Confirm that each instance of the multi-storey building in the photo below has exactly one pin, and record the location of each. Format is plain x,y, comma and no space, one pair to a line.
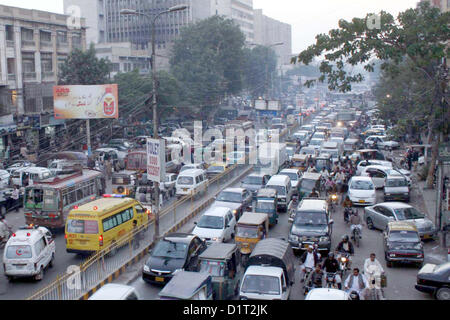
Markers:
33,44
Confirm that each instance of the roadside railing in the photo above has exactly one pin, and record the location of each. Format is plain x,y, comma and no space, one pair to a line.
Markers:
79,282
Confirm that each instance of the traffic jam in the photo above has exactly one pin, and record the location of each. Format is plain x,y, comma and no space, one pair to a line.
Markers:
328,212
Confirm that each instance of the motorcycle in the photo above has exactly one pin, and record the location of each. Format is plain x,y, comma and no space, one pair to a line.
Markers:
308,286
374,280
343,259
347,213
354,295
331,280
356,236
333,201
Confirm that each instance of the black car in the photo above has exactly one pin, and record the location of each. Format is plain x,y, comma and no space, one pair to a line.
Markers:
435,279
174,251
5,205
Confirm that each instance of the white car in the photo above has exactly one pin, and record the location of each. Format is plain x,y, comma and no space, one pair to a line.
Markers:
114,291
216,225
4,179
327,294
316,143
381,142
379,174
361,191
365,163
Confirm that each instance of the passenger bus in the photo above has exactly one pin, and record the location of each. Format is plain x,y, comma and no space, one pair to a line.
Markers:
48,202
95,225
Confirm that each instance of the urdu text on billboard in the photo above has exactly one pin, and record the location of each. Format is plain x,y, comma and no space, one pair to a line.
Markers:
86,102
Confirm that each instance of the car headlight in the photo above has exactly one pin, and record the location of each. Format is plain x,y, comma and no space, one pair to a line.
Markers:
146,268
234,211
392,255
387,194
293,237
323,239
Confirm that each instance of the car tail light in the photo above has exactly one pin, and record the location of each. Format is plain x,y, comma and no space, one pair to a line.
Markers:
13,234
65,236
100,240
75,207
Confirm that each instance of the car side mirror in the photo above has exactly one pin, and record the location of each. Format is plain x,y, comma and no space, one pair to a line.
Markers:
195,222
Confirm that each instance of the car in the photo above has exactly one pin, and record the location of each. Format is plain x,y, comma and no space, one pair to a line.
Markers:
309,151
170,183
396,188
315,143
215,169
402,244
301,136
235,157
361,190
254,182
192,166
173,252
19,164
120,144
290,152
217,224
377,173
435,280
294,175
115,291
327,294
379,215
237,199
381,142
365,163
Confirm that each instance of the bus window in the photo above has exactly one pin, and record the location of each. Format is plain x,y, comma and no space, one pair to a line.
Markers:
50,199
34,198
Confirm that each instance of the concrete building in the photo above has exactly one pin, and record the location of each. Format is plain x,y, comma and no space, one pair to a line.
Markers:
268,31
443,5
33,44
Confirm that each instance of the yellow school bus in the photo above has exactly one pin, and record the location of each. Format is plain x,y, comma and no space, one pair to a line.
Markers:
96,224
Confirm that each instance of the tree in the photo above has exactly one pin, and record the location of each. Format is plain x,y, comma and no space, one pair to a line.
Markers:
419,35
260,64
84,68
207,60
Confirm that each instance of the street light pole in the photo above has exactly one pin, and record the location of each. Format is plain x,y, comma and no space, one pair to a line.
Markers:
154,95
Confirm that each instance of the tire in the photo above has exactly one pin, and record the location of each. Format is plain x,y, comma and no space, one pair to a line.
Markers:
389,264
443,294
370,224
50,265
10,279
40,275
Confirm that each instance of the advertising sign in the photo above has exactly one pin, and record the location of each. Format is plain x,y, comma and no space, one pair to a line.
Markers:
273,105
260,105
156,160
86,102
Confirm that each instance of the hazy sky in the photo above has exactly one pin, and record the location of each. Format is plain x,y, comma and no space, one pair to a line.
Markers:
307,17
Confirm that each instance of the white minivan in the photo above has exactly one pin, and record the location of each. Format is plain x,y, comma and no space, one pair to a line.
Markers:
282,183
216,225
28,252
114,291
191,181
33,174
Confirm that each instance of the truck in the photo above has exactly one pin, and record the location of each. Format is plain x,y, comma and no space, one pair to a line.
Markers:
272,157
270,272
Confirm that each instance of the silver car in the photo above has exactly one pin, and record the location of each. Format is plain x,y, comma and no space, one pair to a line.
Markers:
378,216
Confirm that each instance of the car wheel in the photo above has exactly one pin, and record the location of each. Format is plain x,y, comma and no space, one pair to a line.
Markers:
386,148
9,278
370,224
40,275
50,264
443,294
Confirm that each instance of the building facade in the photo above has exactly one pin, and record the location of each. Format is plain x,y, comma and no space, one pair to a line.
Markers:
33,44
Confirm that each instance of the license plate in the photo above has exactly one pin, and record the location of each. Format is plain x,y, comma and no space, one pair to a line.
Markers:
362,201
426,236
159,279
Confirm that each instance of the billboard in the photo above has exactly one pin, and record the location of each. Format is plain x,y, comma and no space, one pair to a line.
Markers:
86,102
273,105
260,105
156,160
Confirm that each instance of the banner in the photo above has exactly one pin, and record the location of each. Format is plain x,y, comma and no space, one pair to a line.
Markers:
156,160
86,102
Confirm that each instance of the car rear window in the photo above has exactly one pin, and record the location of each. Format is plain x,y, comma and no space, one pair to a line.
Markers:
82,226
18,252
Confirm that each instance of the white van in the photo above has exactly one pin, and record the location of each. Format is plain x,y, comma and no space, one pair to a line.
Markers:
114,291
33,174
216,224
4,179
282,184
28,252
191,181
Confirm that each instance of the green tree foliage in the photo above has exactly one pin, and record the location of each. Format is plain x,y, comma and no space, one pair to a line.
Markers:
207,60
84,68
259,71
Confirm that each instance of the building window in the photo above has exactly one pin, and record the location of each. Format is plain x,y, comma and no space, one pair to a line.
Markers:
76,40
47,103
11,62
46,62
9,33
62,37
30,105
27,34
28,62
115,67
46,36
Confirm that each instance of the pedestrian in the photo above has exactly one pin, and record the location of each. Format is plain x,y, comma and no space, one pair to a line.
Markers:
409,159
15,197
136,236
415,159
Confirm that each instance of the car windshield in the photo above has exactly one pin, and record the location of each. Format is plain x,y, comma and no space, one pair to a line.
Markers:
393,172
18,252
253,180
396,183
408,213
265,206
280,189
170,249
210,222
361,185
185,181
298,163
308,184
404,236
228,196
315,142
303,218
261,284
308,151
245,231
292,175
214,268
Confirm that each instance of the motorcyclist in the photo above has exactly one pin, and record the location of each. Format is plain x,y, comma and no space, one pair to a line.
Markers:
315,278
347,203
314,193
355,222
345,246
372,261
329,185
309,259
373,271
356,282
312,168
331,265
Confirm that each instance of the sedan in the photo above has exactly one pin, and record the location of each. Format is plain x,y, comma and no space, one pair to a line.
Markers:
435,279
361,190
237,199
254,182
378,217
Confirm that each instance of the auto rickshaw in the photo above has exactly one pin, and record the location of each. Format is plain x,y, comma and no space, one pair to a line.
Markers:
266,202
187,285
300,161
221,261
324,160
250,229
124,182
309,181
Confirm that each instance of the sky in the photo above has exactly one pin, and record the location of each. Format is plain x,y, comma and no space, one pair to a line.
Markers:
307,17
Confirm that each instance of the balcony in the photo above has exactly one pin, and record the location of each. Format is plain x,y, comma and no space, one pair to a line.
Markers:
10,43
46,45
28,43
27,76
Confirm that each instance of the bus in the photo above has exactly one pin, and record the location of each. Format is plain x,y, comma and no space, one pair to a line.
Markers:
99,223
48,202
